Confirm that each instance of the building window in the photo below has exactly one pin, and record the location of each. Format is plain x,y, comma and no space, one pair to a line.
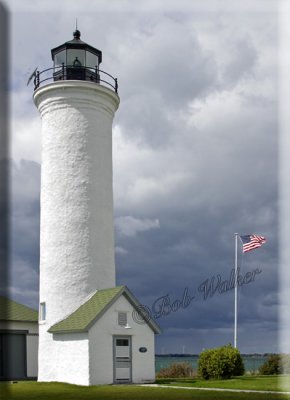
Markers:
122,342
42,312
122,318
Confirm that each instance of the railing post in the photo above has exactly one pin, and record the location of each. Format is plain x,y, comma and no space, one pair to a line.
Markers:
97,71
63,71
116,85
36,80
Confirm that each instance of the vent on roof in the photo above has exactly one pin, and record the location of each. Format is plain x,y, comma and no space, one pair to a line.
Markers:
122,318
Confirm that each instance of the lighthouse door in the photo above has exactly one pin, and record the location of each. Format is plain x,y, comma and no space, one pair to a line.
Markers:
122,359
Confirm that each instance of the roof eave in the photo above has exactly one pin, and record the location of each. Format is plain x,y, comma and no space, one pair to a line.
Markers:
19,320
70,331
135,303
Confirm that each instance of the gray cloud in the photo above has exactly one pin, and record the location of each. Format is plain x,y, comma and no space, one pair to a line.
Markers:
130,226
24,231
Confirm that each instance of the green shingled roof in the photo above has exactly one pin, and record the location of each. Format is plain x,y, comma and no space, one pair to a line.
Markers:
12,311
88,313
81,319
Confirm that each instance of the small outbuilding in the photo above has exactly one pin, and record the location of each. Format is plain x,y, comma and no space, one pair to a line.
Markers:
18,341
106,340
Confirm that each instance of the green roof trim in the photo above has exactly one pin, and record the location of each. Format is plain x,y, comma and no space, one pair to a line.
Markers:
89,312
12,311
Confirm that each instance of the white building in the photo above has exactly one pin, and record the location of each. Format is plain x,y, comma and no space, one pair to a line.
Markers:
100,343
18,341
82,335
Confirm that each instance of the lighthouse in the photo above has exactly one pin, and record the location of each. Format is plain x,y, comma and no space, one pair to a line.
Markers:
87,330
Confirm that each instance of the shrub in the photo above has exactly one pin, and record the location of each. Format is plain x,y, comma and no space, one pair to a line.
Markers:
176,370
285,363
272,366
220,363
276,364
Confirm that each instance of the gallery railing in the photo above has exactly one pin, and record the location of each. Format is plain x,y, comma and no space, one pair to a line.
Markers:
68,72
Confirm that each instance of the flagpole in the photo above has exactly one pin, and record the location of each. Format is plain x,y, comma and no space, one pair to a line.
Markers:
236,290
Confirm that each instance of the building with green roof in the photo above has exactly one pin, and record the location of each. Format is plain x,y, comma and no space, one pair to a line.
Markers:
18,340
107,339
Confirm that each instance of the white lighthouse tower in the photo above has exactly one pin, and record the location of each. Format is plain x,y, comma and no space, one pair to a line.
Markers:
84,318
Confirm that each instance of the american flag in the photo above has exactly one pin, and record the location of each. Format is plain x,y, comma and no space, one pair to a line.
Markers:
251,242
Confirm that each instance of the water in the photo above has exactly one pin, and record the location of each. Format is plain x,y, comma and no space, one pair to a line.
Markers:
251,362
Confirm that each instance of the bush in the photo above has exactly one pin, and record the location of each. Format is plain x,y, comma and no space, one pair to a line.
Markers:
176,370
220,363
272,366
285,363
276,364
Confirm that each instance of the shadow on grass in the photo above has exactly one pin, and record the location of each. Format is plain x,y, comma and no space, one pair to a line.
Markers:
168,381
163,381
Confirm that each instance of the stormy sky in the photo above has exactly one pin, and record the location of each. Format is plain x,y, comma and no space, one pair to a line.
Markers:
195,156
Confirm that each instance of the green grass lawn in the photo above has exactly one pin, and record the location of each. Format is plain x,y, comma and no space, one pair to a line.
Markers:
60,391
271,383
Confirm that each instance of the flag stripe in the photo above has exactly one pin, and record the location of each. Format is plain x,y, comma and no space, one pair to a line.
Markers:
251,242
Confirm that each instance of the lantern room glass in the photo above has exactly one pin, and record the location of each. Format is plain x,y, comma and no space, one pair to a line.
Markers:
92,60
76,57
60,58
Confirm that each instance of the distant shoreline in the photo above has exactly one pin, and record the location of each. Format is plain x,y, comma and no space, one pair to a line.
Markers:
197,355
252,362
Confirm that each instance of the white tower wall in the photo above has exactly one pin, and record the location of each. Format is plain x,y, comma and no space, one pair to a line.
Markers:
76,234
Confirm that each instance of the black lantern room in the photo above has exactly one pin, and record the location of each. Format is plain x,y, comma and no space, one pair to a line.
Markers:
76,60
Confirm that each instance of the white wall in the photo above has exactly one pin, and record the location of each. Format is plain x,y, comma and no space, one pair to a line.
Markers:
76,229
101,346
72,358
77,235
32,355
67,358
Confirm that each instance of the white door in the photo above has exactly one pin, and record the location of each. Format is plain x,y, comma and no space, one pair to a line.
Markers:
122,359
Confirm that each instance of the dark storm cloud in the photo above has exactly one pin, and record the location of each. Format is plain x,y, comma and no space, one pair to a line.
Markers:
4,178
195,242
4,231
24,228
